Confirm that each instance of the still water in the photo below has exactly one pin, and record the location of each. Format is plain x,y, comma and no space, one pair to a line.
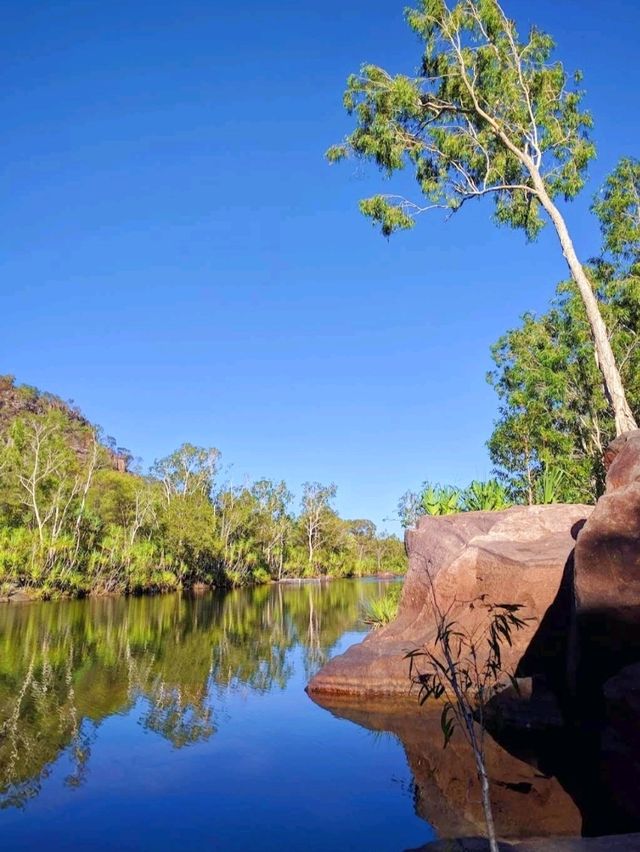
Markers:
182,723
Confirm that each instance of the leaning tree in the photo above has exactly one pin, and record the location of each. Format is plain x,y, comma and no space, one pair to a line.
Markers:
488,114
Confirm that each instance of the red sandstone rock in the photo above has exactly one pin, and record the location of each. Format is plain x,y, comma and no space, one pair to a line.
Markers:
607,572
519,555
621,460
607,575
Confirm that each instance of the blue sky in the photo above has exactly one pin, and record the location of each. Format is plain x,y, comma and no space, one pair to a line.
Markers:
179,259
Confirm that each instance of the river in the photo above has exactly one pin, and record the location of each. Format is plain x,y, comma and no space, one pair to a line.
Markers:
177,722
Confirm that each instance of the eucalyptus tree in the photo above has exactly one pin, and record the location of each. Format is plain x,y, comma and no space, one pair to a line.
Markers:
553,411
315,506
410,509
48,463
186,471
489,114
618,208
273,522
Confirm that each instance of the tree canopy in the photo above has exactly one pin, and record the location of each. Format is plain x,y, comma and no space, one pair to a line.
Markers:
485,109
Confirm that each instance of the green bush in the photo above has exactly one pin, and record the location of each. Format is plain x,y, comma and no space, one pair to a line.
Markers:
383,610
488,496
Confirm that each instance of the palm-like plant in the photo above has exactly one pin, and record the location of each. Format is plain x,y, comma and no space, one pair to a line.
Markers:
489,496
440,499
549,485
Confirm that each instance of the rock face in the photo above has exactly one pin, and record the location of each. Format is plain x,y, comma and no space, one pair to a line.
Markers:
520,555
607,568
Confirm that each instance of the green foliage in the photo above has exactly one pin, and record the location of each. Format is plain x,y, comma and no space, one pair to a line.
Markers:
462,669
381,611
554,414
488,114
188,470
439,499
489,496
72,524
553,408
435,499
549,485
464,666
618,208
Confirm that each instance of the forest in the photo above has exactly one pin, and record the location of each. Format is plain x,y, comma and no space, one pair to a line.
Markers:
77,518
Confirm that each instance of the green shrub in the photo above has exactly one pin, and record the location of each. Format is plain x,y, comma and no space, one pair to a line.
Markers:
383,610
488,496
549,485
440,499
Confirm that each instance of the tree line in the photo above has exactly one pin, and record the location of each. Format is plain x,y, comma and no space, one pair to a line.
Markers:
72,522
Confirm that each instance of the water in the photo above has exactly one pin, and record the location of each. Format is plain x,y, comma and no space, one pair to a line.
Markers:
182,723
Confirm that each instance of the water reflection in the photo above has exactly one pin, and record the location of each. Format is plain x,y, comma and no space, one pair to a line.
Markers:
526,801
67,666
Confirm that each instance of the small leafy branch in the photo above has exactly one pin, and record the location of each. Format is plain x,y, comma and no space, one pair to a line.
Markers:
463,668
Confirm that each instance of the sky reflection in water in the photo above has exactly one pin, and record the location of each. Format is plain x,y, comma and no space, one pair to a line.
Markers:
169,722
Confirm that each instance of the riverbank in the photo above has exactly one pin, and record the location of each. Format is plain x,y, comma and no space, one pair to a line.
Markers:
27,594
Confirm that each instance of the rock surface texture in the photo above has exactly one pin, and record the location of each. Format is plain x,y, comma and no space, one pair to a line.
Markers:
520,555
607,569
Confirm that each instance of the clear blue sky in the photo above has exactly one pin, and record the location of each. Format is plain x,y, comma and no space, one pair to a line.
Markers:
178,258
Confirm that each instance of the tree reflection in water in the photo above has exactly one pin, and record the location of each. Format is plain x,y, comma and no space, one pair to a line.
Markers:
67,666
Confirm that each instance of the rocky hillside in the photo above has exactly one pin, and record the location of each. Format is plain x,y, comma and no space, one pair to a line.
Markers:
17,400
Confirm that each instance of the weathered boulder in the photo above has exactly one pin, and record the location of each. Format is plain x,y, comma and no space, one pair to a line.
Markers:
607,569
520,555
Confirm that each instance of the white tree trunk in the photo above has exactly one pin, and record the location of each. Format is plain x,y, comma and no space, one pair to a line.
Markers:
605,359
486,806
